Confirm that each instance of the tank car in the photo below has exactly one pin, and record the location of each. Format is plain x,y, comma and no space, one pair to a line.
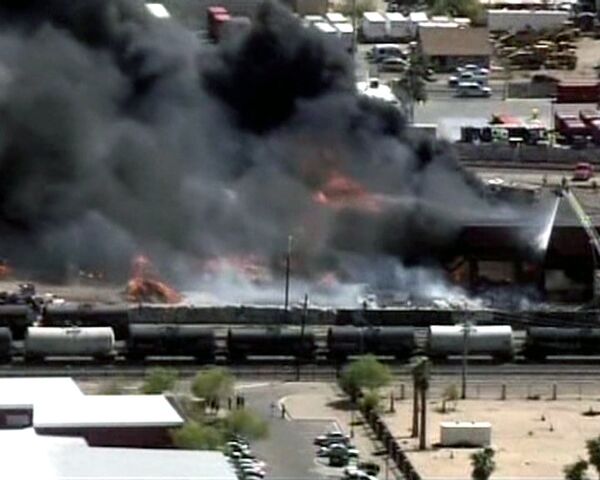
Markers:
147,340
343,342
6,339
17,318
541,342
246,342
96,342
490,340
88,315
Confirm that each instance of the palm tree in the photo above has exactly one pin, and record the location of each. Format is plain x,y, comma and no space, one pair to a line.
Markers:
415,419
576,471
483,464
411,87
421,375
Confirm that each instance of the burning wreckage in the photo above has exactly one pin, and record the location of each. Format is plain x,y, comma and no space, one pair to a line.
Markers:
123,134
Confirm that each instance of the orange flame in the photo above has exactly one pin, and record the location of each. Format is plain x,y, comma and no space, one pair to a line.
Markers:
341,191
145,286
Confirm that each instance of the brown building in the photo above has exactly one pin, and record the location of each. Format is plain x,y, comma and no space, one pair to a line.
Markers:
446,48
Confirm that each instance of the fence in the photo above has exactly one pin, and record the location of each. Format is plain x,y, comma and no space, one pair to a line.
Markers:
391,445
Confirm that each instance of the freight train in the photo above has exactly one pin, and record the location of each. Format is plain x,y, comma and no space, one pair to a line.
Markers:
336,345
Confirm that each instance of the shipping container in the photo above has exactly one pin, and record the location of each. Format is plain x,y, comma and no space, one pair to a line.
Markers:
578,92
398,26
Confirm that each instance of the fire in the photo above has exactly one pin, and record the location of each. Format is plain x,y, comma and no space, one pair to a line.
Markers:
341,191
145,285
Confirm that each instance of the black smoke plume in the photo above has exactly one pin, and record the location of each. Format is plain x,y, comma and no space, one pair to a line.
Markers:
120,134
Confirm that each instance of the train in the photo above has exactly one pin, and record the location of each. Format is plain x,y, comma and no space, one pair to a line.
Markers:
338,344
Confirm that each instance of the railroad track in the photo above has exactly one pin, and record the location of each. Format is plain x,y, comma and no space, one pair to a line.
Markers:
288,371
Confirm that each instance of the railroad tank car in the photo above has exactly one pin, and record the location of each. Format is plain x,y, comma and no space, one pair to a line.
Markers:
493,340
88,315
343,342
17,318
146,340
96,342
245,342
6,340
541,342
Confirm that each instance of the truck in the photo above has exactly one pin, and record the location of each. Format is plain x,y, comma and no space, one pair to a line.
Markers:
374,27
518,20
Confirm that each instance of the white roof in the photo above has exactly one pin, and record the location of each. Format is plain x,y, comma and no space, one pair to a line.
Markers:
418,17
325,27
27,392
158,10
438,25
344,27
374,17
440,18
395,17
335,17
465,424
106,411
314,18
29,456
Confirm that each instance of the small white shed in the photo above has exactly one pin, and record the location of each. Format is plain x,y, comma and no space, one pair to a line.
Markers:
465,434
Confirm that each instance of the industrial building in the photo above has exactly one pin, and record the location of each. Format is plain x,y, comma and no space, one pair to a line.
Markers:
447,48
50,430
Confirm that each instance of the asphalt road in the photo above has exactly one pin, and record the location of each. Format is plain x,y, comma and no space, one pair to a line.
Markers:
289,450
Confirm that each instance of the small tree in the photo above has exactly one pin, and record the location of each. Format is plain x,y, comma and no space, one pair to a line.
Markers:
365,372
593,449
576,471
246,423
196,436
411,87
483,464
450,395
159,380
213,385
370,401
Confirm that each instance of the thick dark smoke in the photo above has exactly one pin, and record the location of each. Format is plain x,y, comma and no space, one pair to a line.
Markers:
122,134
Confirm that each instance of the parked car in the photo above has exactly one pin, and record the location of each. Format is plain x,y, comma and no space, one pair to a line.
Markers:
583,171
382,51
354,473
393,64
472,89
455,80
332,437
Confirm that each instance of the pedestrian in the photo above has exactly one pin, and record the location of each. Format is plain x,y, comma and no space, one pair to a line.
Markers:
283,412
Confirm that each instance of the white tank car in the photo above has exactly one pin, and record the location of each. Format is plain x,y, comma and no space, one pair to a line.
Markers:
492,340
96,342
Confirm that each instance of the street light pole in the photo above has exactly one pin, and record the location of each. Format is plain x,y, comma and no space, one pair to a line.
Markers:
354,29
466,330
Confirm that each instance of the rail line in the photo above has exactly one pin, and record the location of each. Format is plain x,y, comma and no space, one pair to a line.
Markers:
289,372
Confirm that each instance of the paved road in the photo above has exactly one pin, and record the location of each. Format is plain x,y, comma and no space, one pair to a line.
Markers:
289,450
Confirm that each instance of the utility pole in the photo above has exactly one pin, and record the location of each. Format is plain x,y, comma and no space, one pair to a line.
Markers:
288,259
466,330
302,328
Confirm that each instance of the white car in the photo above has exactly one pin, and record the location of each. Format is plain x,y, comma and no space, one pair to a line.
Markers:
332,437
353,473
252,462
473,89
253,471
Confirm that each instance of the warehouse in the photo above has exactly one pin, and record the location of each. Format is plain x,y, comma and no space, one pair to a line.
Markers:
447,48
56,406
27,456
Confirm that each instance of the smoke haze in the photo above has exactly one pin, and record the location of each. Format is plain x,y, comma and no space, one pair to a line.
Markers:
120,134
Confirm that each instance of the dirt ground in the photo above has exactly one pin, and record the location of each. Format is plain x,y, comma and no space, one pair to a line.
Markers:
532,439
